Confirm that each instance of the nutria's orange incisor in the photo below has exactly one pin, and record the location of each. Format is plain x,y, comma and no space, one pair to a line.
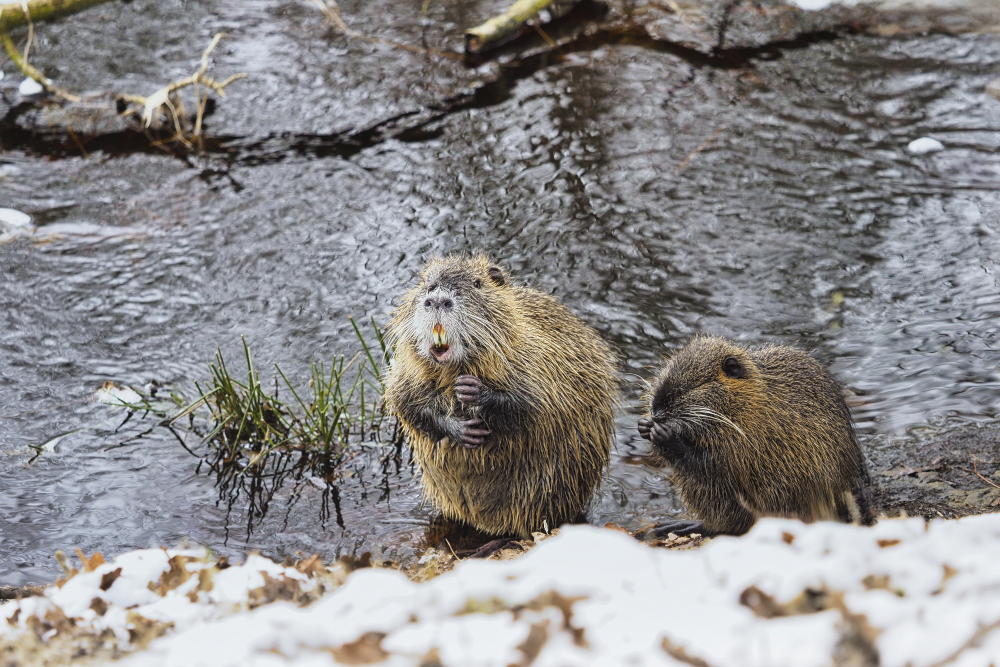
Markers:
507,398
752,433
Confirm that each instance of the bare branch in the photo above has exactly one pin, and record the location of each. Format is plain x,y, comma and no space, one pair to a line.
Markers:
510,24
162,96
13,15
30,71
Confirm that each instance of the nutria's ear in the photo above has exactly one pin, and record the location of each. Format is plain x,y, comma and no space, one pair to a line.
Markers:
496,275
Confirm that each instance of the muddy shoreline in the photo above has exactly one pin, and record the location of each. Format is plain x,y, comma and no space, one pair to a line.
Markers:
936,478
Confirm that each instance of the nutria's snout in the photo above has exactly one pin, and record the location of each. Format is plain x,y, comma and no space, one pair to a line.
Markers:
438,325
439,344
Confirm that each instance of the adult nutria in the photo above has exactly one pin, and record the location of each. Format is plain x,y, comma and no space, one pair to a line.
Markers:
507,398
754,432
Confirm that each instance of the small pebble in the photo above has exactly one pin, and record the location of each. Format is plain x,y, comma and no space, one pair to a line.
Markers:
993,88
924,145
29,87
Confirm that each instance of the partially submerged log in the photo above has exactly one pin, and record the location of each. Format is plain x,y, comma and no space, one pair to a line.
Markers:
13,15
512,23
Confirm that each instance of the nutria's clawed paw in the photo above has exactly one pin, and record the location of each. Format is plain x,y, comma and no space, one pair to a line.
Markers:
472,433
668,442
469,390
645,426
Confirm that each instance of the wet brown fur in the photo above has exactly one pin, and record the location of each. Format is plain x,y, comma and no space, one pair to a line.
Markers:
543,469
789,451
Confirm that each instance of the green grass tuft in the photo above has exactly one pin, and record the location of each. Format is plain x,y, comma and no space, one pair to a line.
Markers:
258,442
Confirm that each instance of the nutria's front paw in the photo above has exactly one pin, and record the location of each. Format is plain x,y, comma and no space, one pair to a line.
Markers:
472,433
645,426
666,440
469,390
654,431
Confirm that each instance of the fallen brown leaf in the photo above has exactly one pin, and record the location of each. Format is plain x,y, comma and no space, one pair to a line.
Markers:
366,650
92,563
109,578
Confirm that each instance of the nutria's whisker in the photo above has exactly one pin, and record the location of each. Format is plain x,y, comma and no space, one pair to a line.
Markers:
712,414
486,333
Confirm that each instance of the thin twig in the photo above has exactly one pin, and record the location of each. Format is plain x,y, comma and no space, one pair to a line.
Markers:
76,140
162,96
31,72
975,470
31,29
551,42
452,550
424,22
200,103
705,144
975,640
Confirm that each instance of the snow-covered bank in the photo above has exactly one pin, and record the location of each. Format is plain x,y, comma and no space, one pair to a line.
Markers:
901,593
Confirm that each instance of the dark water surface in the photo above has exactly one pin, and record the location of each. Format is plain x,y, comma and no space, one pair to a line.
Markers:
805,221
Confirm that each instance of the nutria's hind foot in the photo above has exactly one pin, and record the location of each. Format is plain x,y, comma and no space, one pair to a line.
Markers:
679,527
492,547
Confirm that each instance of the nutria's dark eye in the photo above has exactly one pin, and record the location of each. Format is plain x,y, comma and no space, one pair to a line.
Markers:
496,275
478,283
732,367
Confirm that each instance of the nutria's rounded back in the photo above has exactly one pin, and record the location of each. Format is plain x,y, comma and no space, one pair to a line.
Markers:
754,432
507,398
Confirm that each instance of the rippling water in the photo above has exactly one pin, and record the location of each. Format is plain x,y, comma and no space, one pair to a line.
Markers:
803,220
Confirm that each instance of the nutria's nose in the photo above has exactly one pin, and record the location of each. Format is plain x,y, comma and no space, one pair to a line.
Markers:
443,303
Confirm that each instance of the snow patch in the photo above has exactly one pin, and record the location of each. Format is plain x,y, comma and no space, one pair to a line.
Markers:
924,145
786,595
110,394
14,218
819,5
29,87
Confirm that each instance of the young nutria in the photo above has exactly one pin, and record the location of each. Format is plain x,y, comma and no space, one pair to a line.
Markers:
506,397
752,433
